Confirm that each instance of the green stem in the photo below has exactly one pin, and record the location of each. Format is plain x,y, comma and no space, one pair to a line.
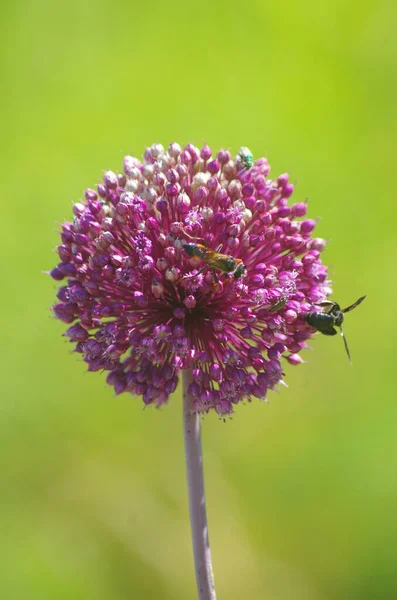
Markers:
195,482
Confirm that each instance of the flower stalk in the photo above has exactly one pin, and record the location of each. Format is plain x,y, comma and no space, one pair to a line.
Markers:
195,482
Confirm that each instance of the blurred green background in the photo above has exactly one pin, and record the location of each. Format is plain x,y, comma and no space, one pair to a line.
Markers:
302,493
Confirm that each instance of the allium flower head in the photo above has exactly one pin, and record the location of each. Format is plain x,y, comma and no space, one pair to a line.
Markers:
146,294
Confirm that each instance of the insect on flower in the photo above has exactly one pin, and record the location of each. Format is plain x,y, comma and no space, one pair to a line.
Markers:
246,158
134,239
214,260
332,315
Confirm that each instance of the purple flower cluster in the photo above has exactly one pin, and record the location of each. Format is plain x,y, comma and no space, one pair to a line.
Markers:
143,309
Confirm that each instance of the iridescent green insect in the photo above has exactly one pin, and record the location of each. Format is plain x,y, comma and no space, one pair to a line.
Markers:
331,316
246,157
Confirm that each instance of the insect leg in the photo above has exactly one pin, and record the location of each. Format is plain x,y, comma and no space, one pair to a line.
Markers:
346,346
195,274
278,305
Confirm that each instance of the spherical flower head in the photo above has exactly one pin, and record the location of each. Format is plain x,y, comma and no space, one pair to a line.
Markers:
190,260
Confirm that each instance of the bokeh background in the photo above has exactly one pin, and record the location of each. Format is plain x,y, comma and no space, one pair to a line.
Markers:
302,492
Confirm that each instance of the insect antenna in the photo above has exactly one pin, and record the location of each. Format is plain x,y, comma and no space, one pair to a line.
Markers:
357,302
346,346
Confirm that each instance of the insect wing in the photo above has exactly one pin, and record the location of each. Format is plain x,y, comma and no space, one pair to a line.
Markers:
349,308
326,305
